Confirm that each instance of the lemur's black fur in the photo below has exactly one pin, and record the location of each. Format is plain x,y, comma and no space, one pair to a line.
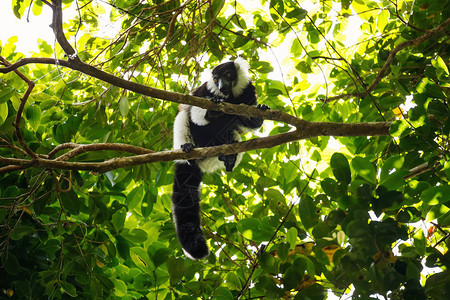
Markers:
198,127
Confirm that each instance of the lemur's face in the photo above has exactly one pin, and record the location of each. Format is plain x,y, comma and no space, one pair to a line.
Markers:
225,77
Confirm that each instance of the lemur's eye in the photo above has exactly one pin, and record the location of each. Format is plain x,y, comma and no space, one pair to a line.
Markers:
215,80
228,75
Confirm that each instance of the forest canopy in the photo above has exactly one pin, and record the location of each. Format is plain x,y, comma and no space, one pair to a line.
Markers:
343,193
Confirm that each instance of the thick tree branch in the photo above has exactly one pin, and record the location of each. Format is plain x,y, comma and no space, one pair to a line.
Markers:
313,129
243,110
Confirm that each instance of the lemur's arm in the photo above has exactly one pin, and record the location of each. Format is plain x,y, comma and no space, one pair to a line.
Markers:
212,114
251,122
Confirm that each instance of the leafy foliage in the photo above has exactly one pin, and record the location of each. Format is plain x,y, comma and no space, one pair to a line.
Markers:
369,213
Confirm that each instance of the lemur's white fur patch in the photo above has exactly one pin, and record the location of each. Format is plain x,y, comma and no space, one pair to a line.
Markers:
210,84
198,116
243,79
181,130
212,164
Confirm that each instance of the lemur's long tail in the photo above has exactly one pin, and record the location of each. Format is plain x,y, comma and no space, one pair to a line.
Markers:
186,209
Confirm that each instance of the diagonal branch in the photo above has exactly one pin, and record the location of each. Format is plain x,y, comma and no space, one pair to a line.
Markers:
20,109
242,109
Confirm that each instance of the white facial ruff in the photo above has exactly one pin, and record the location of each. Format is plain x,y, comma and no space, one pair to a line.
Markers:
243,79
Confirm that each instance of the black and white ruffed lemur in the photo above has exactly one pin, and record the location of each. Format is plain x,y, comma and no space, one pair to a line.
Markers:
199,127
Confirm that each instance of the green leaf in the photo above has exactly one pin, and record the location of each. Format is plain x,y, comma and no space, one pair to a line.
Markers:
364,168
304,67
420,242
141,259
330,187
293,277
296,48
263,67
63,134
68,288
18,8
123,105
321,229
232,281
399,128
440,65
297,14
222,293
307,211
391,164
175,267
135,235
357,228
70,202
33,115
283,250
255,229
37,8
267,262
135,197
11,264
118,219
11,191
3,112
21,231
304,263
412,271
346,3
395,180
291,237
161,255
437,284
340,167
216,7
436,195
148,201
120,288
277,202
382,19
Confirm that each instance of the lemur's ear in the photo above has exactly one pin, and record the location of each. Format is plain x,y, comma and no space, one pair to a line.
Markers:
241,64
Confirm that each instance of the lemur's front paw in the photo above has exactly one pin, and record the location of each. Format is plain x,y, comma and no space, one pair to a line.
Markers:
262,107
216,99
212,114
187,147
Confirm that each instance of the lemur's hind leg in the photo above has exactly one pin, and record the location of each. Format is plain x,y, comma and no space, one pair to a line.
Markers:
229,161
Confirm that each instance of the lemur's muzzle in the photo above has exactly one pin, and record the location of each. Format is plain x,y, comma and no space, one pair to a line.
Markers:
224,87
